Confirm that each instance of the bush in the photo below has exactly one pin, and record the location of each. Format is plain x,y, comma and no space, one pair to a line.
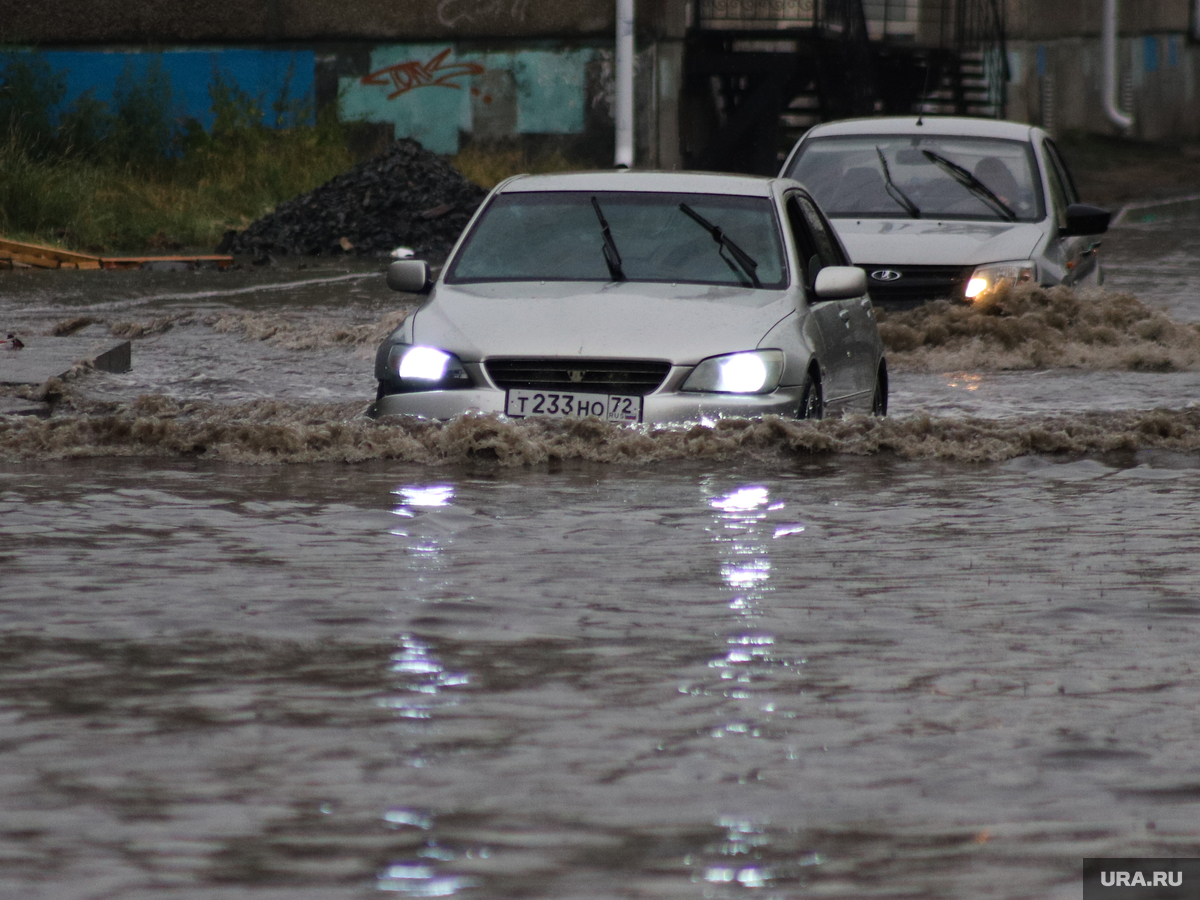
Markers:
29,90
133,177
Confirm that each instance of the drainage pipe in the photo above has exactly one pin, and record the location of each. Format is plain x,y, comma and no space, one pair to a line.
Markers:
1122,120
624,73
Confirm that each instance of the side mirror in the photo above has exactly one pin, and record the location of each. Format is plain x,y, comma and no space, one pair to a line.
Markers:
410,276
840,283
1085,219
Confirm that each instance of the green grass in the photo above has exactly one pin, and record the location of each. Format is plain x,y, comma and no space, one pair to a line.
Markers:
184,201
189,201
487,167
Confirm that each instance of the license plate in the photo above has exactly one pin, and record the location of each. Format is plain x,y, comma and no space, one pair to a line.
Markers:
573,405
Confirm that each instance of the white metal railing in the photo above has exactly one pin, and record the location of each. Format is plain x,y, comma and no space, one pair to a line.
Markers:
885,18
892,18
757,14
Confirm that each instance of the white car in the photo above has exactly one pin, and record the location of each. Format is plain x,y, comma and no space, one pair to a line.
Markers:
949,208
637,297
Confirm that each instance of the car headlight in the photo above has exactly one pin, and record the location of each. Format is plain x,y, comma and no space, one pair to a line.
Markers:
753,372
426,368
986,280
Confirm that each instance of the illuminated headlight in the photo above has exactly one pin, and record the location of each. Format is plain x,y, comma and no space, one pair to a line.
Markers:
426,368
755,372
986,280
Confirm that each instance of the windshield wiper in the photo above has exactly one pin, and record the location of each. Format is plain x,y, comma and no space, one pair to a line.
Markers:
972,184
612,256
894,192
744,259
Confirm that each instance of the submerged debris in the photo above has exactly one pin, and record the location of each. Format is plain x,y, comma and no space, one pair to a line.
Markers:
404,196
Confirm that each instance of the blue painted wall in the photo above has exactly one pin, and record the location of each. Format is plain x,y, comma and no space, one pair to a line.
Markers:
427,91
262,74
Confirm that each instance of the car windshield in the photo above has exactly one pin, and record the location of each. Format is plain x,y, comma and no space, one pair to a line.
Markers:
665,237
939,177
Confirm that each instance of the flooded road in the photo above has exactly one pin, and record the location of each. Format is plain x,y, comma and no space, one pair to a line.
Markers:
741,673
857,678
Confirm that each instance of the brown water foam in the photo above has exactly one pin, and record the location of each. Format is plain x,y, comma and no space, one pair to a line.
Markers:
1028,328
269,432
315,333
290,331
1040,328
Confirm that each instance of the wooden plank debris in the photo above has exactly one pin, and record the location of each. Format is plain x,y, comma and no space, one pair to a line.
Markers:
18,254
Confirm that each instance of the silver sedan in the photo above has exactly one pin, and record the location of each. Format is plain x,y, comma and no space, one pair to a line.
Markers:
950,208
637,297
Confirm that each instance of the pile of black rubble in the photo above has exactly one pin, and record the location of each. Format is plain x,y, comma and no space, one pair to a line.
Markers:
404,197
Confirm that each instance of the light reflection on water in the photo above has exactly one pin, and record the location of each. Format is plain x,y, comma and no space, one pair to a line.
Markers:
748,667
647,691
421,695
425,678
434,495
746,564
424,875
753,855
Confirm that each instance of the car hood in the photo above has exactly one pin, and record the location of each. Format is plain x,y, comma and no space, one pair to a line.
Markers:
680,323
898,242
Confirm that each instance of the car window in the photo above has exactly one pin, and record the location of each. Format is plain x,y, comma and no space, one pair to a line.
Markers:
1058,194
815,245
557,235
1064,173
806,247
827,245
848,176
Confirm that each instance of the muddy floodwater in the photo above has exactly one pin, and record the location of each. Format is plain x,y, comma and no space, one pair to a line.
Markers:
719,675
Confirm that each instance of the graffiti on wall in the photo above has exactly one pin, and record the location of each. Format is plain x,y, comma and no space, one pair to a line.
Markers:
455,12
406,76
533,90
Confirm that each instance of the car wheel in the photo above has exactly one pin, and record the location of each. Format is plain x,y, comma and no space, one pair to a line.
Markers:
880,400
812,401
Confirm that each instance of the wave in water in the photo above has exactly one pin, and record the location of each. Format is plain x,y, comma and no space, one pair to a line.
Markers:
312,333
269,432
1028,328
1040,328
292,332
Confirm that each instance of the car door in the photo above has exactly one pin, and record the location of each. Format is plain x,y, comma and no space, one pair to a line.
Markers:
855,314
1074,258
836,375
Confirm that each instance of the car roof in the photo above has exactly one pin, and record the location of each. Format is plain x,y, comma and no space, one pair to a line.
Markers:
637,180
953,126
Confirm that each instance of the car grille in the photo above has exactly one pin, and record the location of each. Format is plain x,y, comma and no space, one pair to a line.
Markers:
916,284
606,376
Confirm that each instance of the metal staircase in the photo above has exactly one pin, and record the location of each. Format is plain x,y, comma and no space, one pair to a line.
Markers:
759,73
971,61
769,69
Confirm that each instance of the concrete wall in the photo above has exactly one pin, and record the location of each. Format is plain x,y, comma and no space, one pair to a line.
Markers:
445,71
1048,20
1058,84
256,21
440,71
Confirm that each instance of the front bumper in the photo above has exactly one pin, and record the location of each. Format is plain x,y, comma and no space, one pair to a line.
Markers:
657,409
